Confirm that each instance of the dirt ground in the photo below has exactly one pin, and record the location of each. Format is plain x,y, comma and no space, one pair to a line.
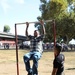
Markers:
8,63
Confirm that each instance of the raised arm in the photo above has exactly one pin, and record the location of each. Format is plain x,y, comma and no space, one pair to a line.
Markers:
27,25
42,23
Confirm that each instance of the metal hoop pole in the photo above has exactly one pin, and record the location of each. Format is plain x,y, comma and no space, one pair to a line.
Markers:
54,31
33,22
16,41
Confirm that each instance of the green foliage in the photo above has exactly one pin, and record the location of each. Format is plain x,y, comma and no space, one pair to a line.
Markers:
65,20
6,28
66,27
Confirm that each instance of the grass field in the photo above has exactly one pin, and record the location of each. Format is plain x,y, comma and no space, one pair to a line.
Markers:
8,63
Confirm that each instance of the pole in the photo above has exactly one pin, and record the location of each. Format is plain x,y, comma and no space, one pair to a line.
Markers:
16,41
54,30
33,22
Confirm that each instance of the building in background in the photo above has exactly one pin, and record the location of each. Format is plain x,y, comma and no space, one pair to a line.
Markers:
7,40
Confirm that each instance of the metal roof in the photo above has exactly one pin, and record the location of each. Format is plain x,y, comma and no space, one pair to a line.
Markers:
11,36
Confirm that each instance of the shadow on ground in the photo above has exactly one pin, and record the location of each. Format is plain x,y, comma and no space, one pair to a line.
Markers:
70,69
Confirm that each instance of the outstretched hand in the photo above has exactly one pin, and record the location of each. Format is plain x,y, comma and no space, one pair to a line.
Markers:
27,24
42,22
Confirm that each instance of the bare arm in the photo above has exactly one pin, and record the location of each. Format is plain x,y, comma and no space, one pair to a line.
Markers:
42,23
27,25
54,71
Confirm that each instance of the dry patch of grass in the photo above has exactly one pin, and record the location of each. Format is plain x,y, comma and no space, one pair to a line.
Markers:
8,63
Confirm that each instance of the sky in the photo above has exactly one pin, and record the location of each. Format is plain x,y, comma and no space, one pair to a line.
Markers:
18,11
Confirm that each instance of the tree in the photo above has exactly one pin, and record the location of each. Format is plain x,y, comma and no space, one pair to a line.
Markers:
53,8
65,20
6,28
66,28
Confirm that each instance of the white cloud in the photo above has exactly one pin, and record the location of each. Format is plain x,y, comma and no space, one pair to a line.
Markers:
4,4
20,1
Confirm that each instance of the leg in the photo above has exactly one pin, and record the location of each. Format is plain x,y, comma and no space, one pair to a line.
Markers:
35,58
26,61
